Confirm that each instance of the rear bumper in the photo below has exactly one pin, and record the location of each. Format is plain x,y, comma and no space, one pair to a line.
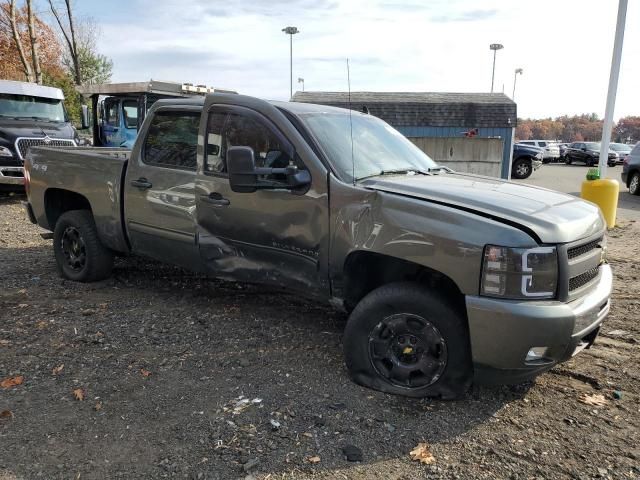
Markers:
536,164
503,332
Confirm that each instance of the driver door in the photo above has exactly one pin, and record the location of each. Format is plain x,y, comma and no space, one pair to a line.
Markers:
268,236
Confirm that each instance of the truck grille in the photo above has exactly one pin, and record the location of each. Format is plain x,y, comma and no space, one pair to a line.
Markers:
23,144
583,249
582,279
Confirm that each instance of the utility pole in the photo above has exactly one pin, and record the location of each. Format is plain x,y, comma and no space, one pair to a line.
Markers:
291,31
495,47
613,88
515,77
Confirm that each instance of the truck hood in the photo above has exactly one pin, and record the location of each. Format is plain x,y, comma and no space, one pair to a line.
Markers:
10,129
552,217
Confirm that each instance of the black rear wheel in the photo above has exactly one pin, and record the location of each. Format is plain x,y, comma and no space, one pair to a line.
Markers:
522,168
80,255
407,340
634,184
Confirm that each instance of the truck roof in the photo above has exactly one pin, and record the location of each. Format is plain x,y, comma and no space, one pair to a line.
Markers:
296,108
152,86
31,89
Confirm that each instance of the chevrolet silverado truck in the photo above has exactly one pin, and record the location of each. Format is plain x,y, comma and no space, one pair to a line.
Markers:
447,277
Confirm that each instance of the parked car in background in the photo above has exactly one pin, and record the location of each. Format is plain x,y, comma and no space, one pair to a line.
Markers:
550,148
631,170
588,153
563,149
622,149
30,114
525,160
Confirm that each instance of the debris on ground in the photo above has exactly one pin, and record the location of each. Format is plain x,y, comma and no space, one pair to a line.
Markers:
422,454
595,399
12,381
79,394
352,453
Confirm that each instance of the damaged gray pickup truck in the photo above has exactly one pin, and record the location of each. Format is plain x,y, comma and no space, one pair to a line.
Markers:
448,277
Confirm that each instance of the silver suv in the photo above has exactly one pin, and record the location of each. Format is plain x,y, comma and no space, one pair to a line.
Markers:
551,149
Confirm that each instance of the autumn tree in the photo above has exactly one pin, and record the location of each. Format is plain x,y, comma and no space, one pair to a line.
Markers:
17,49
627,130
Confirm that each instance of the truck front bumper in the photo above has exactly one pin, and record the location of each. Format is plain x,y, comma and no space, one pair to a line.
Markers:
514,341
12,177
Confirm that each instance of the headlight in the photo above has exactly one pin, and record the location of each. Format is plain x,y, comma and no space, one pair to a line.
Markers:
5,152
519,273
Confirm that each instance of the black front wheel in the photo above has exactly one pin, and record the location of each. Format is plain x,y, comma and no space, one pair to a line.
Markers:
406,340
522,169
80,255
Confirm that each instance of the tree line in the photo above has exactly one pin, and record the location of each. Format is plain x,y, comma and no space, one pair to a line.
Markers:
43,42
578,128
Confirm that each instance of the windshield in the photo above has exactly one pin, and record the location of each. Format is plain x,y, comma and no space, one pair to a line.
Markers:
32,108
592,145
377,147
620,147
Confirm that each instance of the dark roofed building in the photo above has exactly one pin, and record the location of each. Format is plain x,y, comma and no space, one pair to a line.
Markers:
467,131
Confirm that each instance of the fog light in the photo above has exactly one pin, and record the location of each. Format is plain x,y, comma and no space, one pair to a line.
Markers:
537,355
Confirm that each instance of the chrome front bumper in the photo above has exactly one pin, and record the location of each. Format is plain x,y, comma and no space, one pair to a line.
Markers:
11,176
503,332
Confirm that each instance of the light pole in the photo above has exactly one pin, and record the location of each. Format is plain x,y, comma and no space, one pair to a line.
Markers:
291,31
301,80
495,47
515,77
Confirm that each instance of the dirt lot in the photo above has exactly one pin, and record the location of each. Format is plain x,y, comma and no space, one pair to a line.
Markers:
163,360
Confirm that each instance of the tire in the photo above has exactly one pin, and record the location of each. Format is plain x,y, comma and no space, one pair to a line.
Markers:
389,333
590,162
80,256
567,160
522,169
634,184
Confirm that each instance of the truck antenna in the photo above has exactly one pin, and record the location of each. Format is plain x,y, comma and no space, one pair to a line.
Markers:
353,164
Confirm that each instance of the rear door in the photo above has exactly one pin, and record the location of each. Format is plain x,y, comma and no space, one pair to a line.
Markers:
278,237
159,187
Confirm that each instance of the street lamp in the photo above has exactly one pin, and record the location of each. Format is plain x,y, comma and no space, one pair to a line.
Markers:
301,80
515,76
495,47
291,31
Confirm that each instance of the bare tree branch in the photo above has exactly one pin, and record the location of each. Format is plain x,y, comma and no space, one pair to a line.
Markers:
71,41
16,38
35,48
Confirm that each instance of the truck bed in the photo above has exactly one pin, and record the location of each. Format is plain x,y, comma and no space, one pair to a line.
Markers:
95,174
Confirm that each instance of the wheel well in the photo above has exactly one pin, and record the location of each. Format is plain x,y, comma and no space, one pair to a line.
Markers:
366,271
58,201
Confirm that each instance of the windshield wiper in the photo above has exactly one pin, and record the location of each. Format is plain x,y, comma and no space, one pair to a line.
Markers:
439,168
399,171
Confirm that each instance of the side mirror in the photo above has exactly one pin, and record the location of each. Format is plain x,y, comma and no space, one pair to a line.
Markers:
245,177
241,165
84,117
584,149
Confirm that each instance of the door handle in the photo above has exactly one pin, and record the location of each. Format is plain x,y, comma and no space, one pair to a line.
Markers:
142,183
214,198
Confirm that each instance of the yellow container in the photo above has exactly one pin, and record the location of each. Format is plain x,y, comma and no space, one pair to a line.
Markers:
604,193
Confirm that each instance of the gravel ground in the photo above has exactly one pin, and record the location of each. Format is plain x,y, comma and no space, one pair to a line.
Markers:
158,373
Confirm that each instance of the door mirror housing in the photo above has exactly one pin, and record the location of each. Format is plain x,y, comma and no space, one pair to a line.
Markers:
84,117
245,177
241,164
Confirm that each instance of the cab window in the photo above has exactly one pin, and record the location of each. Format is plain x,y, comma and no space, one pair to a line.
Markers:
235,129
130,113
111,116
172,140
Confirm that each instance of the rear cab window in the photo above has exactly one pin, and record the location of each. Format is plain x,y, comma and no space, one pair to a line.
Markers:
172,140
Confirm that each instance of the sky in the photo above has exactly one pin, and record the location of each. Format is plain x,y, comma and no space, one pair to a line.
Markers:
563,46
